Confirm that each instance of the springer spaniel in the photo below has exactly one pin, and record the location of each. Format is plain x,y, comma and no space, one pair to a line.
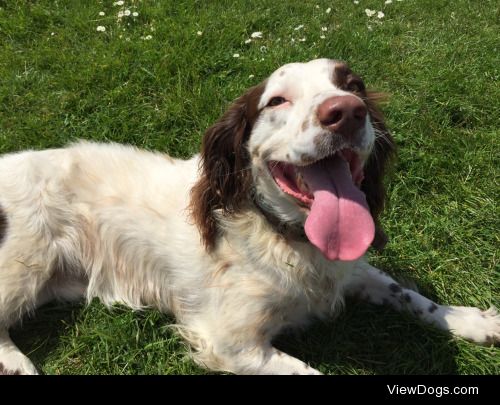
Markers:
267,228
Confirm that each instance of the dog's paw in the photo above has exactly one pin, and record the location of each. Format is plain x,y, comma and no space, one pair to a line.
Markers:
16,363
306,371
482,327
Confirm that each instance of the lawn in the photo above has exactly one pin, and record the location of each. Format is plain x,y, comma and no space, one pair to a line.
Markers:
160,74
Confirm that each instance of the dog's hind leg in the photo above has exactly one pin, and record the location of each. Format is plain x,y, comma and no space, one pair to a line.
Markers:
21,292
19,287
470,323
25,268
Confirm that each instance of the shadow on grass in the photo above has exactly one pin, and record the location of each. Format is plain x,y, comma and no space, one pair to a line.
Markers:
365,339
38,335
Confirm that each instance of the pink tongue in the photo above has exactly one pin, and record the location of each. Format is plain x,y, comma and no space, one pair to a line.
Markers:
339,224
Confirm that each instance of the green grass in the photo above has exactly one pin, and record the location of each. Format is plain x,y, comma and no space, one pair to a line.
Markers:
61,80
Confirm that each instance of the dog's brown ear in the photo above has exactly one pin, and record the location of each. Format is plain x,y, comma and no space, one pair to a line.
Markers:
375,168
225,177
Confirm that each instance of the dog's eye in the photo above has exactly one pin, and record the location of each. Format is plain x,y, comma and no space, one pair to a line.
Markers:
276,101
355,85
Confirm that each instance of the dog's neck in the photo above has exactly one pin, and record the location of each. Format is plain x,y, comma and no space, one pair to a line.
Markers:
290,231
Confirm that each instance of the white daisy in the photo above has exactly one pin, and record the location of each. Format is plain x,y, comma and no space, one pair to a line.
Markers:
135,14
102,13
369,12
380,14
236,55
328,10
256,34
118,3
248,41
101,28
127,12
199,33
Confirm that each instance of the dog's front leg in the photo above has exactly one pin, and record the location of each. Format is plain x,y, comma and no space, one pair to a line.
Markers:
242,344
470,323
265,361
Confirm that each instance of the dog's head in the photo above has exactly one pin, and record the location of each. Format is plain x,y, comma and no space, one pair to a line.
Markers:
309,147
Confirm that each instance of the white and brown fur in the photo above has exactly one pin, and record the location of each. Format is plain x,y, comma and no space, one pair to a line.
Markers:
211,240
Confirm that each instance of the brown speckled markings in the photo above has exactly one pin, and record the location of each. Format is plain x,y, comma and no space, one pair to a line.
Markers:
256,152
3,225
305,125
307,159
395,288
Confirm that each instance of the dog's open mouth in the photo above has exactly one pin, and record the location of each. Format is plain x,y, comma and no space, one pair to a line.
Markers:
339,222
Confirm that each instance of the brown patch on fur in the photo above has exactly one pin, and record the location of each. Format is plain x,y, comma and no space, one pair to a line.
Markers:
305,125
345,79
225,180
3,225
376,167
384,149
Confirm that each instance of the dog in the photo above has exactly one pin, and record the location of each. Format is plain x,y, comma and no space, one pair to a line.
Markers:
265,229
